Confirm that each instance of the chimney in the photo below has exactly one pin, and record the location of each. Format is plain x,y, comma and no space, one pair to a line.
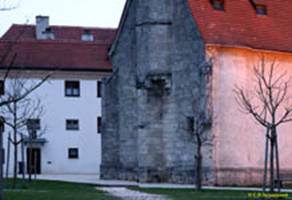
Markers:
42,28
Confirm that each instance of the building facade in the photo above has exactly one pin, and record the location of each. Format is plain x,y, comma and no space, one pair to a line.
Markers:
157,56
75,58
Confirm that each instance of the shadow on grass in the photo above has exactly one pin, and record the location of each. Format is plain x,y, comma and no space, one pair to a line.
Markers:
52,190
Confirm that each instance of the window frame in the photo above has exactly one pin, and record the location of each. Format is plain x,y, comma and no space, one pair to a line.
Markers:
98,123
67,125
36,125
3,155
99,89
2,87
69,88
218,5
73,156
261,9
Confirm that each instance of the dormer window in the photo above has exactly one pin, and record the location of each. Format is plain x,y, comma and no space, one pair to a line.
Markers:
48,34
218,4
87,36
261,9
48,30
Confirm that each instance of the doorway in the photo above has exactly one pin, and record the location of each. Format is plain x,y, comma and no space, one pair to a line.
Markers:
33,161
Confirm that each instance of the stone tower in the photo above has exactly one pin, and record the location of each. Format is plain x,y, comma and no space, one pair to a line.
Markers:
148,98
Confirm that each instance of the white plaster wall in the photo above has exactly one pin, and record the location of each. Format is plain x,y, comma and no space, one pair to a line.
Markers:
239,141
58,108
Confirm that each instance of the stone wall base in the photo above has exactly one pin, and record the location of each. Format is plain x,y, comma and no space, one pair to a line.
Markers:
218,177
108,172
239,176
175,175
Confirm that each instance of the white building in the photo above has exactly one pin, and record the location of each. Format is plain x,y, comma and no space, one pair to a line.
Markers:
76,58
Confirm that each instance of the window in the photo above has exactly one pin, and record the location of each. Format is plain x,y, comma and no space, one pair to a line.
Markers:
73,153
98,124
3,156
99,85
261,9
72,88
2,124
218,4
72,124
190,124
34,124
2,87
87,36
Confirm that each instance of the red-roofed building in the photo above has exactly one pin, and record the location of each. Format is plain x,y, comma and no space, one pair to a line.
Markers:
156,54
76,58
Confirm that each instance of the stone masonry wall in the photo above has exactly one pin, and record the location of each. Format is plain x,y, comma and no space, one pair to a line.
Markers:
156,61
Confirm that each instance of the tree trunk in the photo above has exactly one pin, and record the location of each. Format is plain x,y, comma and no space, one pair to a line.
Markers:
199,164
199,172
15,144
8,155
15,159
266,160
277,162
22,158
30,160
272,183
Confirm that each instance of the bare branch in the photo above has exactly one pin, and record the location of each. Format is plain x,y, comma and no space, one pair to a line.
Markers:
271,92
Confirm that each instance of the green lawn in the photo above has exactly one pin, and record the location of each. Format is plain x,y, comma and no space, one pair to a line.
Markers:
189,194
53,190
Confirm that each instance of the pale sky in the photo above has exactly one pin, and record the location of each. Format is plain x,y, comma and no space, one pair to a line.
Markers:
88,13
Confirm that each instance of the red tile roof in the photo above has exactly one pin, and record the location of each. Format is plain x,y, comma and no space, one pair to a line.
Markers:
66,52
239,25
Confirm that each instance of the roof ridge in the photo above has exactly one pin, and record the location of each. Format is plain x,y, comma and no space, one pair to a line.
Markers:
56,41
68,26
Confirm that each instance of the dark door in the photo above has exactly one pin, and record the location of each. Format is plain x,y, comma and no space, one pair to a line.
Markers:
33,164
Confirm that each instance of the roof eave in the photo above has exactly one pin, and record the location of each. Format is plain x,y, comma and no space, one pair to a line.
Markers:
250,48
77,69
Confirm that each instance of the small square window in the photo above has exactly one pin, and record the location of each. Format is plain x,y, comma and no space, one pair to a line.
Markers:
73,153
261,9
99,87
72,88
98,124
2,87
218,4
33,124
72,124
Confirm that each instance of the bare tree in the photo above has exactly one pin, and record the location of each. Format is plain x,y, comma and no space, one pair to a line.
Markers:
19,111
270,106
199,121
202,117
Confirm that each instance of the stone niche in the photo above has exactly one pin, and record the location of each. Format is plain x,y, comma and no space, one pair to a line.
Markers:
158,84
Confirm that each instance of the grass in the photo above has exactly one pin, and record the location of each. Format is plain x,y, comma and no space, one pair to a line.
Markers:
53,190
56,190
190,194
